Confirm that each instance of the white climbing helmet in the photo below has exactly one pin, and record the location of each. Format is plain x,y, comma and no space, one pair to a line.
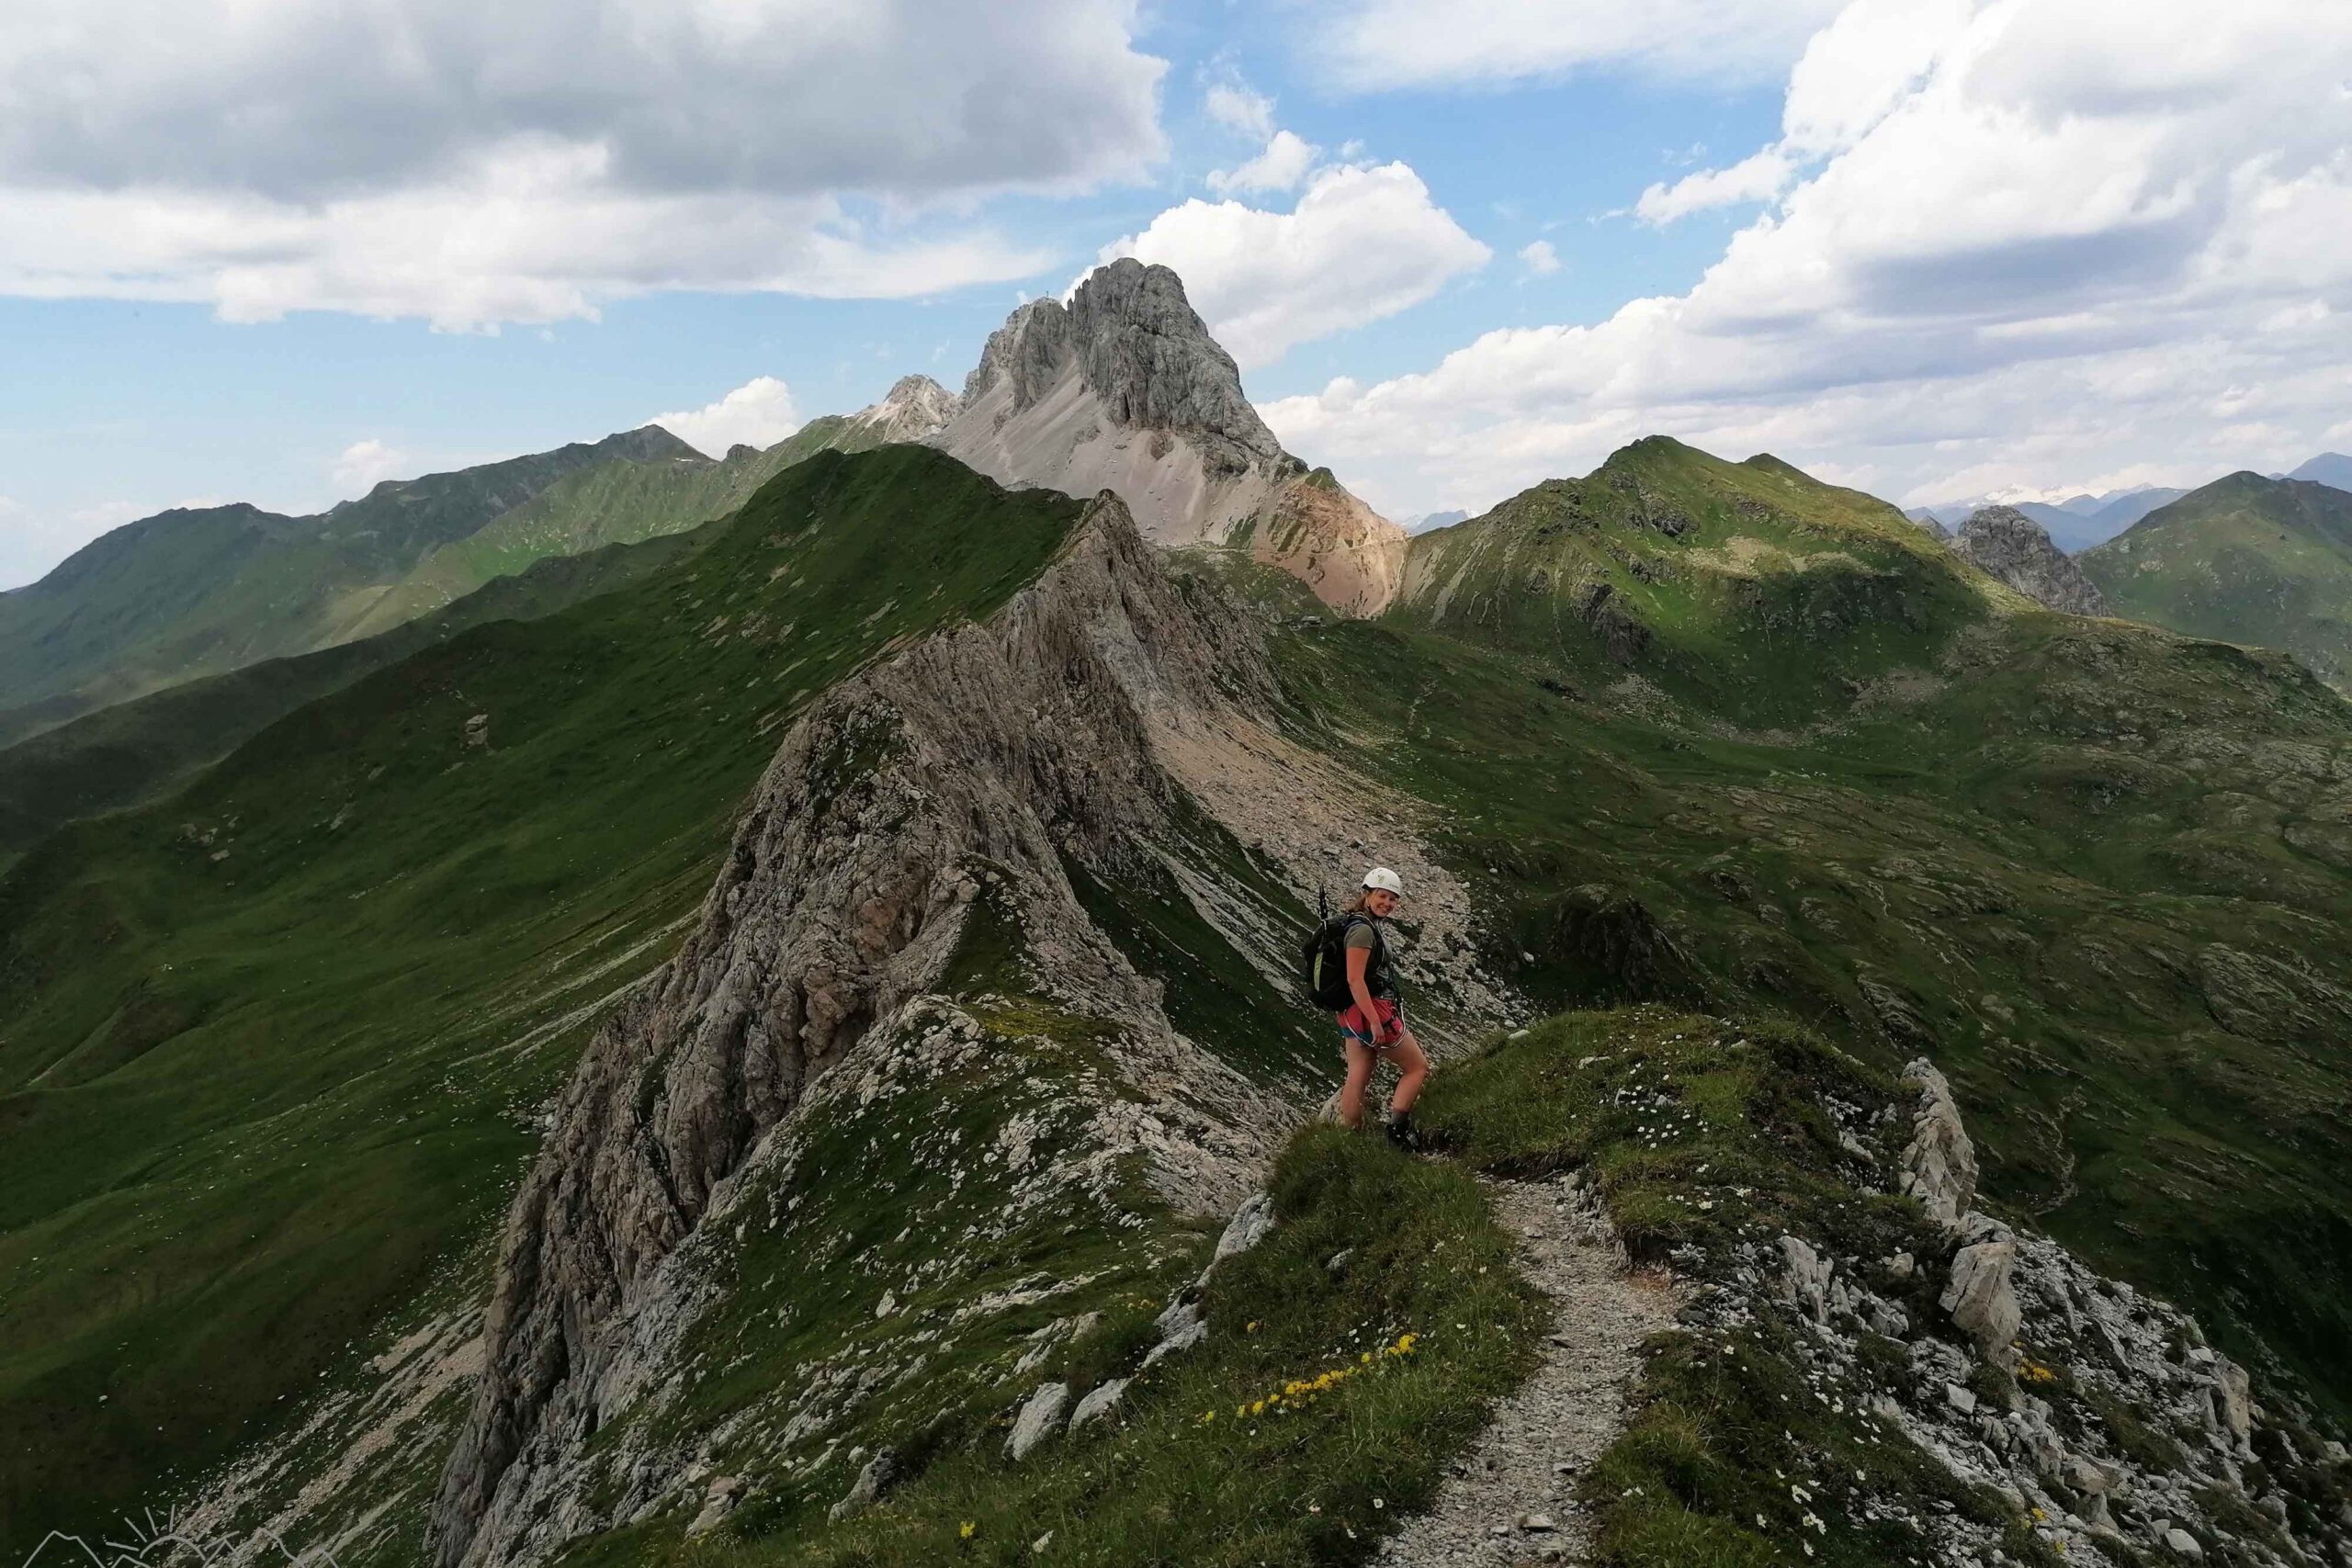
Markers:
1386,880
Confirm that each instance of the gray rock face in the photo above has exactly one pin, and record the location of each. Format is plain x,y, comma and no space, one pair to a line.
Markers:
1040,1417
867,1489
1807,1281
1028,352
1098,1404
1180,1327
1144,353
2233,1403
1001,743
1246,1228
1982,1301
2015,548
1940,1163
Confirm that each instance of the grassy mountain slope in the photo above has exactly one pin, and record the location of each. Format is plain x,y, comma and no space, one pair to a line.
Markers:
2094,868
135,750
267,1049
2246,559
611,504
1746,587
186,594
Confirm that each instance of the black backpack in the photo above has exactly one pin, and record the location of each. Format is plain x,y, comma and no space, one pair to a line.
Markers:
1323,962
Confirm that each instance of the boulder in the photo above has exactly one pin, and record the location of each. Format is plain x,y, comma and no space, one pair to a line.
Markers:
1040,1415
2232,1398
717,1502
867,1489
1806,1283
1940,1163
1983,1299
1248,1228
1099,1404
1180,1327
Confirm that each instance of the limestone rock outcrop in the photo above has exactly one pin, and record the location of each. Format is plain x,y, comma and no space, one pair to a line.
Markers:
1982,1297
2015,548
1040,1417
1939,1162
2101,1415
1124,389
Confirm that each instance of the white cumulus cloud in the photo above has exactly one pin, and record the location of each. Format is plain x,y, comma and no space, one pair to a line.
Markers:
1283,165
1539,258
526,162
361,466
2032,240
1755,178
1361,243
759,412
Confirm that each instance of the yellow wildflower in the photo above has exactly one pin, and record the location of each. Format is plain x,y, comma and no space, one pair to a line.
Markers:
964,1532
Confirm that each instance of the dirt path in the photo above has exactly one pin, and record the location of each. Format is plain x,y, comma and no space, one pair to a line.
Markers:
1511,1499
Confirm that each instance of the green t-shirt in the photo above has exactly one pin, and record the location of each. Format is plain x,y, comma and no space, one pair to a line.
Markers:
1379,973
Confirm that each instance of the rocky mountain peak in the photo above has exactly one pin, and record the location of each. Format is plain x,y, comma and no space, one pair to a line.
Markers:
1141,349
915,407
2015,548
1151,360
1028,352
1124,390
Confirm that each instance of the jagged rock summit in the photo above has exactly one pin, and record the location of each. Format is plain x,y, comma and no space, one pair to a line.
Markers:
2015,548
914,410
1124,390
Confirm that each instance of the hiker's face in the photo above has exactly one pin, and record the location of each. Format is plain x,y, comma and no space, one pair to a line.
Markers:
1381,902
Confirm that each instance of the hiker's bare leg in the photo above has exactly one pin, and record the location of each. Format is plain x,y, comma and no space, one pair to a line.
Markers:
1411,1067
1360,1060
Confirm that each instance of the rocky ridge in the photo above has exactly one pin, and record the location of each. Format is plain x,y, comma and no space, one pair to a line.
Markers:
2015,549
1124,390
960,773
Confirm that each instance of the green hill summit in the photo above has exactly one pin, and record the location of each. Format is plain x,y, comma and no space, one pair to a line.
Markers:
2246,559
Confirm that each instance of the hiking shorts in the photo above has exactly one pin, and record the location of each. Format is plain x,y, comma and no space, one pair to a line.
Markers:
1385,1010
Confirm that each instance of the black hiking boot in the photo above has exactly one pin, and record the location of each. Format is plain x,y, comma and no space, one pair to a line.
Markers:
1400,1131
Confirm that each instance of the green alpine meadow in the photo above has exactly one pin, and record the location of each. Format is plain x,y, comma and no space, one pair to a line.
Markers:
746,1011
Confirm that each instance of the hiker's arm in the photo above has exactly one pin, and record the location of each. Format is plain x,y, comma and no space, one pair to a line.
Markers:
1360,959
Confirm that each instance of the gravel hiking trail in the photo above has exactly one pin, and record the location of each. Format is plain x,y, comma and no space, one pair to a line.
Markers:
1511,1499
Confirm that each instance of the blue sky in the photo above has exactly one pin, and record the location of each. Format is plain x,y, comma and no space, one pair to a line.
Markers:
1878,239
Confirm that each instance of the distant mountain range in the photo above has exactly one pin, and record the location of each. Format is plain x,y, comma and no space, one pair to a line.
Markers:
2080,521
2074,524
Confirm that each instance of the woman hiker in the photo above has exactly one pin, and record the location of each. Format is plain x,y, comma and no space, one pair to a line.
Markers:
1374,1028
